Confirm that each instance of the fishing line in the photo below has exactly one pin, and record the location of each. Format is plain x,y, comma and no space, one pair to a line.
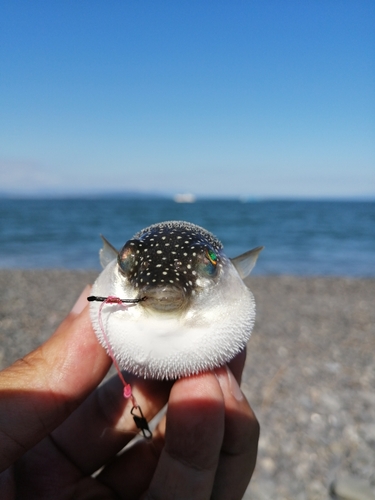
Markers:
139,420
116,300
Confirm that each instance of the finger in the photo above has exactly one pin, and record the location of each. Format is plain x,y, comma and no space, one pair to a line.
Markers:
194,434
240,443
237,364
103,424
137,464
147,454
43,473
39,391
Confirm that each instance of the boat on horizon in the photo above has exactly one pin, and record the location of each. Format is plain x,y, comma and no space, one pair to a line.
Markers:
184,198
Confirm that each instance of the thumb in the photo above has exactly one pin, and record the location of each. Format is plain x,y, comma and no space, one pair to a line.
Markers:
39,391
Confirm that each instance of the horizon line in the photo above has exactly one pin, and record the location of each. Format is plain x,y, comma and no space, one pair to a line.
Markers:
48,195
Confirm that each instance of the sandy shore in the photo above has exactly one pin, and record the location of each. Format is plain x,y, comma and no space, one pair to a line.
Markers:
310,374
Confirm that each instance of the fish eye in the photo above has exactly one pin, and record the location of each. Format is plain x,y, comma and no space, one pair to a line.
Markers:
211,256
126,257
209,265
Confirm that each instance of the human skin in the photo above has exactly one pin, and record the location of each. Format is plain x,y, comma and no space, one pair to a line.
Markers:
58,428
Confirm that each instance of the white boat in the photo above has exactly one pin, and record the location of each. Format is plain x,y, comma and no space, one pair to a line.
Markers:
184,198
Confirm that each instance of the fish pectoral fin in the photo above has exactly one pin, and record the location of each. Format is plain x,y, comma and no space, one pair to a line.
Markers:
245,262
107,253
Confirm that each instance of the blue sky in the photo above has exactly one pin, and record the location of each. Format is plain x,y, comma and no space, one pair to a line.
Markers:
220,98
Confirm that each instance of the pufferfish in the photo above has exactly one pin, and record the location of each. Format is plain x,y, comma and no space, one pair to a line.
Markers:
192,311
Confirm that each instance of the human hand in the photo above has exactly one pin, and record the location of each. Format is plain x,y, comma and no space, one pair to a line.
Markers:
57,428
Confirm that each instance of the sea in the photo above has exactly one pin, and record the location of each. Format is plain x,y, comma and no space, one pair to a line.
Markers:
304,238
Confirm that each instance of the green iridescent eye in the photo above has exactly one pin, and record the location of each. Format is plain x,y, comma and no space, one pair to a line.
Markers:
212,257
210,266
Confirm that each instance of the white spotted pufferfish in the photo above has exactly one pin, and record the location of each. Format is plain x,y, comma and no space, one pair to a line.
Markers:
196,312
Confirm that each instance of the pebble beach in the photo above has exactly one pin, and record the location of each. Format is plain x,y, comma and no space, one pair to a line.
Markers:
309,376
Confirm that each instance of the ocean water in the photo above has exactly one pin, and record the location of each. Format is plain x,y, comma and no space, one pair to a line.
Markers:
300,237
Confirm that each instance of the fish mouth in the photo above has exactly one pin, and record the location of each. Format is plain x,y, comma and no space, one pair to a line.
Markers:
164,297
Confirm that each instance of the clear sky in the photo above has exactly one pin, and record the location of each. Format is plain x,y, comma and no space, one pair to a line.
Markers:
214,97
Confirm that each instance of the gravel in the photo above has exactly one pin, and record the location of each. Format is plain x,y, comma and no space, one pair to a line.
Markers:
310,372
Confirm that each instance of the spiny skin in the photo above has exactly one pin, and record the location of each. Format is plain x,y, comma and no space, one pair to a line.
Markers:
198,313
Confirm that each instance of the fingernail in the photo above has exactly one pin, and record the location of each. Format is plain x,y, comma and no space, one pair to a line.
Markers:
227,381
234,387
81,301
